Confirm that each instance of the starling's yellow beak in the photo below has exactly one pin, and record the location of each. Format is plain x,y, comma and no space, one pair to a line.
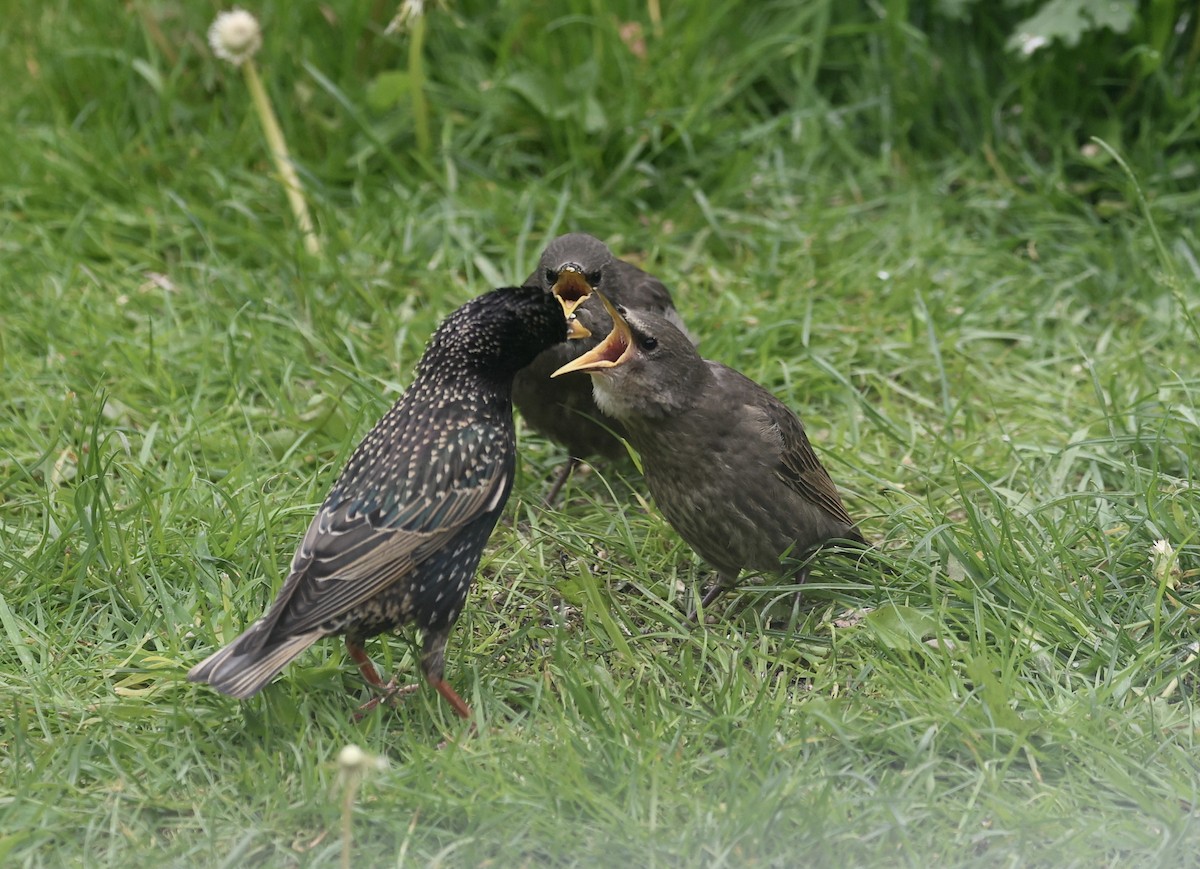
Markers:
610,352
572,289
576,330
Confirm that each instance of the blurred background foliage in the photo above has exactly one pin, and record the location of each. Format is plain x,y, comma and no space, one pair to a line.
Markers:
601,90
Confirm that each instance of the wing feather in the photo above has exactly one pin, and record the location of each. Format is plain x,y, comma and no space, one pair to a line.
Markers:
357,547
799,466
801,469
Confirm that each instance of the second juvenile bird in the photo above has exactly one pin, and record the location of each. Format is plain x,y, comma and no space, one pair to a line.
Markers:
729,465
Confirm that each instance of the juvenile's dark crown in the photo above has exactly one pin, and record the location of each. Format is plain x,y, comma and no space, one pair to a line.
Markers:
579,251
496,334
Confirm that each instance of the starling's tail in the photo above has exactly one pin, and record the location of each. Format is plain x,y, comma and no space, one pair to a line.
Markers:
243,667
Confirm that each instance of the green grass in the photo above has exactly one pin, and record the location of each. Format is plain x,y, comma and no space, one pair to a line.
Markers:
989,333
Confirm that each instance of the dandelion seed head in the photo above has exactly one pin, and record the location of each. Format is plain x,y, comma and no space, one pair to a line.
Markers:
235,36
408,13
353,759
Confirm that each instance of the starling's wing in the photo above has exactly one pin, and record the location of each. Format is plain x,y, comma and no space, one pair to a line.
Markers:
355,548
799,466
384,517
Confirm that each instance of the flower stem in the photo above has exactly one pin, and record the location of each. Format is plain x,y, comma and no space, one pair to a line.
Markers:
655,17
348,796
416,77
279,151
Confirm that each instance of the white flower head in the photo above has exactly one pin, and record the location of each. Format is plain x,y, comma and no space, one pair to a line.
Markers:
1029,43
408,13
235,36
353,760
1164,564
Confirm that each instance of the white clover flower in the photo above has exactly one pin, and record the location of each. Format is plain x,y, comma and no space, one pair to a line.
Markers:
235,36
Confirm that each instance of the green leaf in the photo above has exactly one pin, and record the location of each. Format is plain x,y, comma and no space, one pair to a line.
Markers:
387,90
149,73
597,610
1067,21
536,91
994,693
955,9
1116,16
901,627
594,119
16,636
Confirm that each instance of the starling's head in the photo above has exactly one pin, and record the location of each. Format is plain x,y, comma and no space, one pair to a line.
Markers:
645,368
498,333
572,267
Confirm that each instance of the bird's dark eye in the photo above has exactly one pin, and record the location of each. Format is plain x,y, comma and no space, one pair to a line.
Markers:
647,342
593,278
551,276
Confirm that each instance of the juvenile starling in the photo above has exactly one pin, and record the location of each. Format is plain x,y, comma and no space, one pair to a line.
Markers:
573,267
399,537
728,464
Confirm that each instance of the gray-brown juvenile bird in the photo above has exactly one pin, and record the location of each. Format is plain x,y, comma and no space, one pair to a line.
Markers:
573,267
728,464
400,535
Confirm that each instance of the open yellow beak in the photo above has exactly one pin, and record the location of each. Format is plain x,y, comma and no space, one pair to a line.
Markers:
572,289
575,329
610,352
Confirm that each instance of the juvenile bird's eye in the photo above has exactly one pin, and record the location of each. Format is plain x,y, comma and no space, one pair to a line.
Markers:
648,342
551,276
593,278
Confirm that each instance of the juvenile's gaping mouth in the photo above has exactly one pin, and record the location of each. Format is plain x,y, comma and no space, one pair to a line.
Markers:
572,289
609,353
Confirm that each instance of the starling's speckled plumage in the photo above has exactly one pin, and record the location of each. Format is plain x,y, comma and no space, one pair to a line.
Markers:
563,409
400,535
728,464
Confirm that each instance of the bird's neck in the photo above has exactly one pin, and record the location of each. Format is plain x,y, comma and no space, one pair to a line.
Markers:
477,390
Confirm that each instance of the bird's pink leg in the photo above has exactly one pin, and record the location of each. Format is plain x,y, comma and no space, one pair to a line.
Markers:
389,690
456,702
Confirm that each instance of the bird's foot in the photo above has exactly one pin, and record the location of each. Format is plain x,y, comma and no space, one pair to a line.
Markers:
391,694
560,479
709,598
448,741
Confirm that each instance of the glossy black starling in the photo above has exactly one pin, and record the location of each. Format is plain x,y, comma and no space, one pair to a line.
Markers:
399,537
572,267
728,463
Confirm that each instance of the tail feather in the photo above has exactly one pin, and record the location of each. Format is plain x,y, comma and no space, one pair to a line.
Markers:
242,668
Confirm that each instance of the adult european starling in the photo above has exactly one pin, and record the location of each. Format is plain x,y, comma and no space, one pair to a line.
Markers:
572,267
399,537
728,463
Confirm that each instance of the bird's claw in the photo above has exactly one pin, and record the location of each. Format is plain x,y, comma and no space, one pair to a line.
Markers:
391,693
